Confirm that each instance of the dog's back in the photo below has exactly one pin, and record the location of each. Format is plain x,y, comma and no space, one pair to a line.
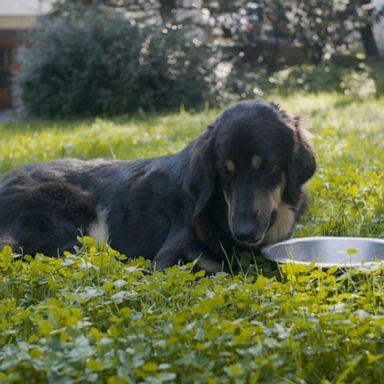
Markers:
45,206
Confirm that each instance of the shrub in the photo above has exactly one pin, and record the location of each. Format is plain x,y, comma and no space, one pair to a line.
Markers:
362,80
308,78
96,61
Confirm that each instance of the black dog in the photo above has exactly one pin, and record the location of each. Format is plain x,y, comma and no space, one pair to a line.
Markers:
237,186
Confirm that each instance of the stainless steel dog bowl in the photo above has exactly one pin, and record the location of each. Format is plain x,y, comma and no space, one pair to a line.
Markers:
327,251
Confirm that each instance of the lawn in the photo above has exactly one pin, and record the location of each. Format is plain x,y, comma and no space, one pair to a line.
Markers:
90,318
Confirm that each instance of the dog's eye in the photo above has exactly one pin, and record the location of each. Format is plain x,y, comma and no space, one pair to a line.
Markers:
269,168
265,166
270,172
274,175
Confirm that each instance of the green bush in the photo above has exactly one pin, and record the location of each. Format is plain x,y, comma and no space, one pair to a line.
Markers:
329,78
96,62
363,79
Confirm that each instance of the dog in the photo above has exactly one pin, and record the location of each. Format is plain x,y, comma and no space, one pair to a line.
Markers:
238,186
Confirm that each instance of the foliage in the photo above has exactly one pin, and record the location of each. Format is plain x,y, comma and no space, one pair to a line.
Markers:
146,12
320,29
91,318
88,318
96,62
106,57
377,71
362,79
159,12
358,81
324,28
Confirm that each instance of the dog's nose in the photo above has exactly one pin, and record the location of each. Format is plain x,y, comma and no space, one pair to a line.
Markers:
245,238
244,230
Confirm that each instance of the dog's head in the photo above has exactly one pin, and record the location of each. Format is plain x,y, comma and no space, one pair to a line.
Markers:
256,156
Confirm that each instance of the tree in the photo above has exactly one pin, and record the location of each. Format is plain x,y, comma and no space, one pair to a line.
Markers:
366,32
321,28
146,11
93,60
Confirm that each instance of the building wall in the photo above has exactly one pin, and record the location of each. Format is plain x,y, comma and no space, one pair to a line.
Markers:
9,40
16,17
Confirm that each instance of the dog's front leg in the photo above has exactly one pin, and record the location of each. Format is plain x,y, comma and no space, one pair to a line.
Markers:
174,248
179,246
208,264
166,257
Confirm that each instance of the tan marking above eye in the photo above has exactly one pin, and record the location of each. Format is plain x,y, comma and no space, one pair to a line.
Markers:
256,162
230,165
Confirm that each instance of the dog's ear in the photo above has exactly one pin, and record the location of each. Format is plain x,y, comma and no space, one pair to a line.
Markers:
200,179
302,164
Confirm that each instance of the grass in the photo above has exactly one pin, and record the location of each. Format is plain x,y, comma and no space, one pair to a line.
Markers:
90,318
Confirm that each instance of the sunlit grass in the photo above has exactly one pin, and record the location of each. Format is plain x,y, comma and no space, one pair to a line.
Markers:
123,137
90,318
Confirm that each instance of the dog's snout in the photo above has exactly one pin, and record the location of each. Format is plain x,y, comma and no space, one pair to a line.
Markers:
251,228
245,238
246,232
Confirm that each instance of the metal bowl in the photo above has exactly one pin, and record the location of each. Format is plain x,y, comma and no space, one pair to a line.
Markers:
327,251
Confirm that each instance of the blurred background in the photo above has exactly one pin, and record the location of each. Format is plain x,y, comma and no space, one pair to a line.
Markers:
75,58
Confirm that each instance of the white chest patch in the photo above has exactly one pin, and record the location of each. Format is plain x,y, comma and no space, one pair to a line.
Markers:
98,229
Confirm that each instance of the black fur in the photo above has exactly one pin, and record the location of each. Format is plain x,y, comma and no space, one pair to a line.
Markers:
178,207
